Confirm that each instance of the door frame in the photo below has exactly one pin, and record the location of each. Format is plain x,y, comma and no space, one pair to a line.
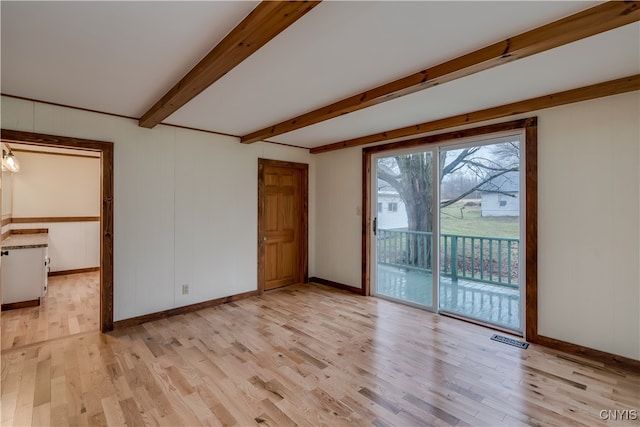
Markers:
106,209
303,245
530,128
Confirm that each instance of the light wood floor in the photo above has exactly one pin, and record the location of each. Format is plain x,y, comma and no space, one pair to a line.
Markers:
306,355
71,306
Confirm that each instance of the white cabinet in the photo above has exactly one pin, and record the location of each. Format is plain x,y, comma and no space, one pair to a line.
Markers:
24,267
23,274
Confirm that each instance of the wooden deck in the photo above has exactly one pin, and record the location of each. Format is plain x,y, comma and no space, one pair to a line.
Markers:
488,303
306,355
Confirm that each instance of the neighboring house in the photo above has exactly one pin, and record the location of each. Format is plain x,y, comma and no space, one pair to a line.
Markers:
392,212
501,195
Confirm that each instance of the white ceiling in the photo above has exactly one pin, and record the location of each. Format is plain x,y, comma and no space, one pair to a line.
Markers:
120,57
567,67
115,57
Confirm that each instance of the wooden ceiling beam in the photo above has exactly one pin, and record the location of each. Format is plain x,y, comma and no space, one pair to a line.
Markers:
265,22
598,19
612,87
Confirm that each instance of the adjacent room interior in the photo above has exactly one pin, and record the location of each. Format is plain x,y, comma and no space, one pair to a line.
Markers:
320,213
53,196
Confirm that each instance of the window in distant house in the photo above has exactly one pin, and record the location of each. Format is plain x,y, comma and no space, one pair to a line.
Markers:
393,207
379,206
503,203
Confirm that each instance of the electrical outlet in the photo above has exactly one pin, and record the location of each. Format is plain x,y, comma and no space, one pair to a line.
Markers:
185,289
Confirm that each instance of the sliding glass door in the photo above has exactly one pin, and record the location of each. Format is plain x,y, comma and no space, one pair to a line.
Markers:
480,227
447,229
403,203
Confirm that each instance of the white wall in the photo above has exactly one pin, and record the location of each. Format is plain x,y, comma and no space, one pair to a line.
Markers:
589,228
588,254
185,205
51,185
7,196
72,245
338,198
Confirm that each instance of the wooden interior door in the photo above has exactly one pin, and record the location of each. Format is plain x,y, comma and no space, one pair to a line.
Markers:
282,224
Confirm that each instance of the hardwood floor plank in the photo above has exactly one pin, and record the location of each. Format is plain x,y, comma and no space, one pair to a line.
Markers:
59,416
225,417
303,355
8,408
72,305
42,415
141,407
113,411
198,408
295,413
43,383
272,415
379,400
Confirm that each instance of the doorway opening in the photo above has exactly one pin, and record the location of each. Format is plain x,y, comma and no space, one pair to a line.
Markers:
105,151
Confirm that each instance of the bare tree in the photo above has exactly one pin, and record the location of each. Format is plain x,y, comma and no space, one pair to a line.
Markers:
411,176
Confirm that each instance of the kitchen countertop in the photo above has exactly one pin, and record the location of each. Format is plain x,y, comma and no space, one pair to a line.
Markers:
26,241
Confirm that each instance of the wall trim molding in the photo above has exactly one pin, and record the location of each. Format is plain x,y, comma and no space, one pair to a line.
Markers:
49,153
29,231
588,353
74,271
21,304
337,285
55,104
133,321
28,220
6,221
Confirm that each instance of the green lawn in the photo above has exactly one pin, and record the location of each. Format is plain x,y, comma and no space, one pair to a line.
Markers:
469,221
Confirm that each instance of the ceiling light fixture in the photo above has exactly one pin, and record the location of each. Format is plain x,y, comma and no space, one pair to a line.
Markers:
9,161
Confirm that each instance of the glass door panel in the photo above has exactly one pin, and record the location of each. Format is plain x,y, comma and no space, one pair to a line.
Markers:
480,226
403,208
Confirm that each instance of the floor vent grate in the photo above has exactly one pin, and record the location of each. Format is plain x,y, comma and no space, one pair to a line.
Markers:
509,341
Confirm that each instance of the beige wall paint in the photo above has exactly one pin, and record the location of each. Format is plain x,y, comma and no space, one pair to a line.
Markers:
600,310
56,186
589,281
338,225
588,257
7,193
185,205
60,186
